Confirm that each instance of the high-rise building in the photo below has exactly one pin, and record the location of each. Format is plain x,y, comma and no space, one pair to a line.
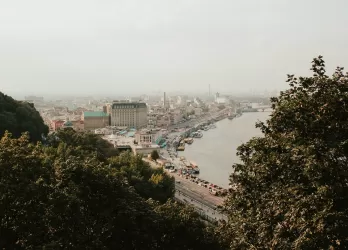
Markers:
129,114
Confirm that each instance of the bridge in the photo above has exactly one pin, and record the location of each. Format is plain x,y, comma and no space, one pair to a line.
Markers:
264,108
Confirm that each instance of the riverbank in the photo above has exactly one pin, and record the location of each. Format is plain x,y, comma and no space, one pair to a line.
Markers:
215,152
199,197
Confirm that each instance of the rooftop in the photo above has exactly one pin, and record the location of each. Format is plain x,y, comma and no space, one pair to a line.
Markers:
115,105
94,114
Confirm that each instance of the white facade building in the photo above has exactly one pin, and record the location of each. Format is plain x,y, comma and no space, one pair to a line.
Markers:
146,137
221,100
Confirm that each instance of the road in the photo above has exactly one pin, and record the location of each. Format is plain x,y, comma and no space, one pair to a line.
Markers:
198,120
199,197
206,211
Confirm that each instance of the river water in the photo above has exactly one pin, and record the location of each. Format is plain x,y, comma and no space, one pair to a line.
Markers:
216,151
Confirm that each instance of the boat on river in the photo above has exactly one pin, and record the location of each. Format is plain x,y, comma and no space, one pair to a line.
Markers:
194,166
212,126
189,140
197,134
181,146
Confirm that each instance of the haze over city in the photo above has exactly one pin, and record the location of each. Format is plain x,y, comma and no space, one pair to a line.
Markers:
131,47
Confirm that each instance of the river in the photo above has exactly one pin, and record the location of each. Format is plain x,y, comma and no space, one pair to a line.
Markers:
216,151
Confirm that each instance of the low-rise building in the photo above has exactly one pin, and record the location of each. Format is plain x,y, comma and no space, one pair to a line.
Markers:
95,119
146,136
163,121
198,111
57,124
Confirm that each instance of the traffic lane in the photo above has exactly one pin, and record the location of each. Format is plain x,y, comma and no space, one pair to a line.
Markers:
201,192
201,208
194,196
198,189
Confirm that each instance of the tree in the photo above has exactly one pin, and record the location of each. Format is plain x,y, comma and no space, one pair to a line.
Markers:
56,198
184,227
86,142
154,155
18,117
66,193
62,201
148,182
291,188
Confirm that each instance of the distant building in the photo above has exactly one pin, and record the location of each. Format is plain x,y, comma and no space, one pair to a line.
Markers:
176,116
78,125
107,108
145,137
34,98
221,100
68,124
198,111
163,121
95,119
57,124
129,114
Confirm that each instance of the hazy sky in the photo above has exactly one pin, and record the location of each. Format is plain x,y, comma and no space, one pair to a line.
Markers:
115,47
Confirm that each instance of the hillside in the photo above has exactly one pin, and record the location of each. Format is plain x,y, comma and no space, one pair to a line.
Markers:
18,117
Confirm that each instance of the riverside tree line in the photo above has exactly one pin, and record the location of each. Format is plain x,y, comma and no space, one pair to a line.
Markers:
72,190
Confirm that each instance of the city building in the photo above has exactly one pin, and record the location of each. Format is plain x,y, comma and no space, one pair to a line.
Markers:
78,125
176,116
57,124
129,114
198,111
95,119
34,98
146,136
219,99
163,121
107,108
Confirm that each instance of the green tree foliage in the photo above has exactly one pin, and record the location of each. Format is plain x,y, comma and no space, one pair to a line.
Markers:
190,231
154,155
291,189
64,202
55,198
18,117
147,181
85,142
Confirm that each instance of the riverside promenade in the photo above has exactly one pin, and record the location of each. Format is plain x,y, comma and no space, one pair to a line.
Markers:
192,194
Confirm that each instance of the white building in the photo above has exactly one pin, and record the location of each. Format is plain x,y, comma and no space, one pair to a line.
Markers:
221,100
129,114
146,136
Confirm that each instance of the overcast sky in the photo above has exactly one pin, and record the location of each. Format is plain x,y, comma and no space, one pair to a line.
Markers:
115,47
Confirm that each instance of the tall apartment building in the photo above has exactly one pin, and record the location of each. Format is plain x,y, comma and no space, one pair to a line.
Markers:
129,114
